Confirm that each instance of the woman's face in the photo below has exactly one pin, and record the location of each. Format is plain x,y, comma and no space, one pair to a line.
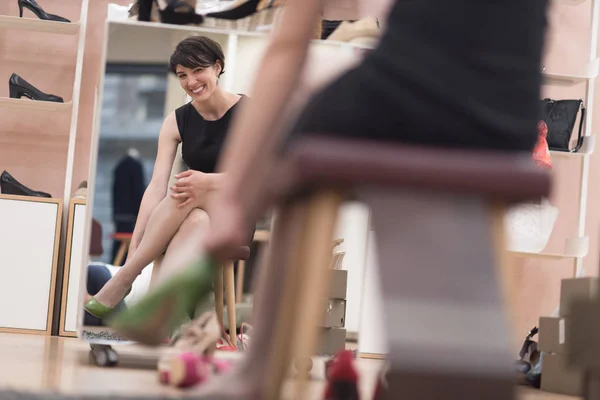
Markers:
199,83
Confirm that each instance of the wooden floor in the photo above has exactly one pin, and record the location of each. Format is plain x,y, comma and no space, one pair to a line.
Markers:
61,365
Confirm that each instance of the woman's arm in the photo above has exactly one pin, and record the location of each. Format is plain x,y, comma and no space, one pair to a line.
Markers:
254,132
168,140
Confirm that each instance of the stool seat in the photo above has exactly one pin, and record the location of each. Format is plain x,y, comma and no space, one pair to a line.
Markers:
315,161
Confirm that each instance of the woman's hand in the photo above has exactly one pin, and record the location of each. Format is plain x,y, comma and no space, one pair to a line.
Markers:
190,186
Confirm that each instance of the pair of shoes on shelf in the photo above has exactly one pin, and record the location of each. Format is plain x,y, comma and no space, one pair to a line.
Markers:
363,32
9,185
38,11
245,15
176,12
19,87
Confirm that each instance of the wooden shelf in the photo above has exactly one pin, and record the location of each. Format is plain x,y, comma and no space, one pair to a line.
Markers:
588,147
34,104
587,72
570,2
574,248
38,25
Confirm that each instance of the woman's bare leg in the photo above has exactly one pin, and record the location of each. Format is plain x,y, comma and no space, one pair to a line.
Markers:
184,247
250,373
162,226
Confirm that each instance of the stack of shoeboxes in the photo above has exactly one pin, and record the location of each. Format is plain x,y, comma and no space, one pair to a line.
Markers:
558,375
333,332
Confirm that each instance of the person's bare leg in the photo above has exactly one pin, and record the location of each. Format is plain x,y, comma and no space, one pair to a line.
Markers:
183,248
250,373
162,226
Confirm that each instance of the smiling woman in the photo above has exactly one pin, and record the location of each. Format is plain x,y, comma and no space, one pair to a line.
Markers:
169,223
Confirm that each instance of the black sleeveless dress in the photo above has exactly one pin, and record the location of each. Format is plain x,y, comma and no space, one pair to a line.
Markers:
201,140
459,73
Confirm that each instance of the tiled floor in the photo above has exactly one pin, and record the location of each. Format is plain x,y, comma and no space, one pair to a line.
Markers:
51,364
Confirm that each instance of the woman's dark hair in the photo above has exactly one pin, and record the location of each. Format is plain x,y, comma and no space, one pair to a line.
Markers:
197,51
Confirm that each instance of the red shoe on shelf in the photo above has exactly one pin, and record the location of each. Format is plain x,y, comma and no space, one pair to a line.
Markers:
342,378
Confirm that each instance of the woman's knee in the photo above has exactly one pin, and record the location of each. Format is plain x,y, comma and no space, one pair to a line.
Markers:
196,219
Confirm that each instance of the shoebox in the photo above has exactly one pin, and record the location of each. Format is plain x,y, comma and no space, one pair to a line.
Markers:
338,283
332,341
552,335
583,327
577,288
334,313
558,377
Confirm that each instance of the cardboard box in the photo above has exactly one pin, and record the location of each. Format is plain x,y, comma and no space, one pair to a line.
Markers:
338,284
553,336
334,313
332,341
557,377
576,289
583,350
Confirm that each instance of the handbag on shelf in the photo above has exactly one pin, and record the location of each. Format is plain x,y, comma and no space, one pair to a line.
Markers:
560,117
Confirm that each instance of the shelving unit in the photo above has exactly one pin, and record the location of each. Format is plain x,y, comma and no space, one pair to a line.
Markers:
58,28
576,248
37,25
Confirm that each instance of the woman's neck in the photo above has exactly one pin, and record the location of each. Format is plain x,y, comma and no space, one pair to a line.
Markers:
217,105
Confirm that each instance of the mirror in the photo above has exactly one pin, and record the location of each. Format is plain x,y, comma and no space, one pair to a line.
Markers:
136,94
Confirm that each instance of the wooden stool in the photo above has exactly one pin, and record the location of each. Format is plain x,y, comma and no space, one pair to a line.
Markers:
125,239
438,215
227,272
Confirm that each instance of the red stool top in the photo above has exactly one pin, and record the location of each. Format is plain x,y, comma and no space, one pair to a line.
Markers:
121,236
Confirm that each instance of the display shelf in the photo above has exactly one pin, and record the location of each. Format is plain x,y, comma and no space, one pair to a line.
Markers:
34,104
570,2
588,147
574,248
38,25
589,71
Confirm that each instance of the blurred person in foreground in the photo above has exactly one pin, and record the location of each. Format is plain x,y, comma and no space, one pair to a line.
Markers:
450,74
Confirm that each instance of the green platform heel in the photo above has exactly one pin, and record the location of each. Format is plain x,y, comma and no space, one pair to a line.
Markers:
165,307
99,310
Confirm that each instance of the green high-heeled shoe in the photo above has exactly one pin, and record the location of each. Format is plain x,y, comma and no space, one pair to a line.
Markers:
98,309
155,316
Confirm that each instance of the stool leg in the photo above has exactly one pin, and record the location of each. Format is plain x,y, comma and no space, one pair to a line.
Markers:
443,303
309,283
239,283
230,293
505,273
118,261
219,293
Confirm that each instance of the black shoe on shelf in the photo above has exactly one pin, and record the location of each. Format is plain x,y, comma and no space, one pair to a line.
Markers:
9,185
38,11
19,87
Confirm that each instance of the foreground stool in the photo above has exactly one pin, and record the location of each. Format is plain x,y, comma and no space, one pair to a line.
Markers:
225,273
438,215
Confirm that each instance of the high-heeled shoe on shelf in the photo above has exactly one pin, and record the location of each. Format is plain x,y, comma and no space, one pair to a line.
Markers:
176,12
9,185
19,87
39,11
168,305
245,15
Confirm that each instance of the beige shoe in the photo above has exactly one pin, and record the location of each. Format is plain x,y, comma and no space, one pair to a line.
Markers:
81,192
364,32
